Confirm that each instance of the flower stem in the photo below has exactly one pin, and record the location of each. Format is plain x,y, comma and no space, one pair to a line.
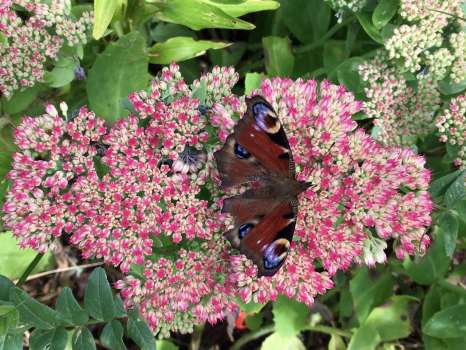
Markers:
252,336
323,40
29,269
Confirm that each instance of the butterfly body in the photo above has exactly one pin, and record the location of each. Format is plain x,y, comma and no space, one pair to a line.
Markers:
258,153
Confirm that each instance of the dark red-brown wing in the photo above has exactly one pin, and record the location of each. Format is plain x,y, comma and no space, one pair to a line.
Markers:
263,230
258,147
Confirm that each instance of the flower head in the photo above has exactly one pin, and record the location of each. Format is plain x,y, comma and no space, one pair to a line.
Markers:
29,44
402,113
452,128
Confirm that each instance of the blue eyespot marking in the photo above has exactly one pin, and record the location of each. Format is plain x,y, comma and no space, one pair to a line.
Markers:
244,229
276,253
265,118
241,152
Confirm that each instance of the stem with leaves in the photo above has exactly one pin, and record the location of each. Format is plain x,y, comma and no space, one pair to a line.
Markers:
29,269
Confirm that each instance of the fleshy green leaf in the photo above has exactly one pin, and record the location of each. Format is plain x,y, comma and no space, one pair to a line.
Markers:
348,74
118,71
83,340
236,8
34,313
250,307
431,266
11,341
51,339
254,321
62,74
384,12
140,332
456,191
98,297
9,317
112,336
334,53
14,260
365,21
104,11
448,323
181,49
449,226
198,14
252,81
431,303
366,337
276,341
279,60
165,345
290,316
5,286
368,292
21,99
448,87
336,343
440,185
308,20
67,305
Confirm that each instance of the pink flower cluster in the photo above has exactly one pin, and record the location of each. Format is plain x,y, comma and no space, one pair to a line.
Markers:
145,192
28,44
451,125
401,113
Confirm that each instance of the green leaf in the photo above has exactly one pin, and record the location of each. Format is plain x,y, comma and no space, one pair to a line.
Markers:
14,260
119,307
34,313
253,81
112,336
308,20
334,53
449,226
336,343
164,31
366,337
63,72
448,87
9,317
384,12
250,307
290,316
98,297
181,49
165,345
430,267
52,339
439,186
237,8
5,286
140,332
231,56
104,11
448,323
198,14
456,191
391,320
11,341
276,341
279,61
21,99
365,21
83,339
348,74
67,305
368,292
254,321
118,71
431,303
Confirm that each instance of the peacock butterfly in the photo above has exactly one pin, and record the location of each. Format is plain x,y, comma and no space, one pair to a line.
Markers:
258,153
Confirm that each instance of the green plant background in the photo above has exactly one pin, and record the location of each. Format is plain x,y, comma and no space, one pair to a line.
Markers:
411,304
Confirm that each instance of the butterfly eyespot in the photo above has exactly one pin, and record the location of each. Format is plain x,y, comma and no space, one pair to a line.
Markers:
244,229
276,253
241,152
266,118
